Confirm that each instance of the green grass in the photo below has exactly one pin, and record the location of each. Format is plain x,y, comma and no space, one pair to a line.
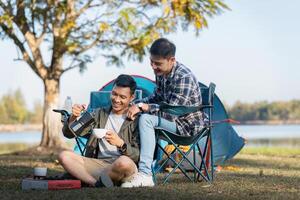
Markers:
270,151
250,175
13,147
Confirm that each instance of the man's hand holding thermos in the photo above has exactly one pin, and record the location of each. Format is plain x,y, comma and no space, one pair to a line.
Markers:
76,111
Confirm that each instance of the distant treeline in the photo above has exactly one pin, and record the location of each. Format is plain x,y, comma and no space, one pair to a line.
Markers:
263,110
13,110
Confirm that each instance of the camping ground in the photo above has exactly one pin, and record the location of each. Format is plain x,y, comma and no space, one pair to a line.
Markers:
255,173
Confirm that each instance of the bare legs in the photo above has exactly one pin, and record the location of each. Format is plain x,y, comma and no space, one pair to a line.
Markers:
122,168
74,164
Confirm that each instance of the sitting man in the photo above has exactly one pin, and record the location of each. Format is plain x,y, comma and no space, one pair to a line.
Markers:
175,85
111,160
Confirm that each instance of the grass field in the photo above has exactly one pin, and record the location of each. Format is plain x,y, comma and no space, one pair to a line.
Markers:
255,173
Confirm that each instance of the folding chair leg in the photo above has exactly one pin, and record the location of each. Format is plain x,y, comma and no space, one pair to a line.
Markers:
211,159
202,164
207,156
194,158
196,142
154,173
199,170
176,163
78,144
166,160
185,158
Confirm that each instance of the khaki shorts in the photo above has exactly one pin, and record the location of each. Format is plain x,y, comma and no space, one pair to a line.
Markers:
95,166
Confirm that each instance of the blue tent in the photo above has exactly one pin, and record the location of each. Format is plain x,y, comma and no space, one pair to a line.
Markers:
226,142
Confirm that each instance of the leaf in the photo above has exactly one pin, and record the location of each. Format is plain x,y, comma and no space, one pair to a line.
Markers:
103,27
82,67
7,19
72,47
167,11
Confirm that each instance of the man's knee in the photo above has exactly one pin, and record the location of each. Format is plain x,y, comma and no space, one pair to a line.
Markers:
65,156
123,164
147,119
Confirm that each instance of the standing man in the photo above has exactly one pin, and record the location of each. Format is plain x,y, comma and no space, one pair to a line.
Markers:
112,159
175,85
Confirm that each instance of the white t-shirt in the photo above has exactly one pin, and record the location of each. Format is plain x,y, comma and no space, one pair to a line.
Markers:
114,123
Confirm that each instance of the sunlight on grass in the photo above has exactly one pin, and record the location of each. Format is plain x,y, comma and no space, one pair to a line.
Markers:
276,151
12,147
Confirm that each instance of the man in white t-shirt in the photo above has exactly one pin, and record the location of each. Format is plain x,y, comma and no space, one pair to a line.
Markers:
110,160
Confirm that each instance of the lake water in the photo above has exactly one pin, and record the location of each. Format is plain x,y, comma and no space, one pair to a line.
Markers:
268,131
270,135
29,137
256,135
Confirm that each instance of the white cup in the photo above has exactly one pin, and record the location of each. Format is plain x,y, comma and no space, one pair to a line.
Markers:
40,171
99,132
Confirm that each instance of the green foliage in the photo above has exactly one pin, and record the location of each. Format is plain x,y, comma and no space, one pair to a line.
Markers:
13,110
36,116
119,28
13,147
67,32
13,107
263,110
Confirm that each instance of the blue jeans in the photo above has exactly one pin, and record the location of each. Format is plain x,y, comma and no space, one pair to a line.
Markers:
147,123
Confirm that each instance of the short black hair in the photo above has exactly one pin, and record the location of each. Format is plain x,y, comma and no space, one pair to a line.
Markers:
125,80
163,48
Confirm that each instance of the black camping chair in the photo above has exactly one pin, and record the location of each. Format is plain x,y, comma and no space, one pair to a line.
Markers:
200,168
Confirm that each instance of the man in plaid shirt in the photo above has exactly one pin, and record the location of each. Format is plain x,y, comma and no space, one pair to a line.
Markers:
176,85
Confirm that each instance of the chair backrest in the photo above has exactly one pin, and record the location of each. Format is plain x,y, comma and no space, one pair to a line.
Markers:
211,93
207,94
102,98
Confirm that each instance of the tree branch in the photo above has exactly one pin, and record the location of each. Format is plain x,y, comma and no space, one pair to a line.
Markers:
83,9
71,67
21,21
4,7
20,45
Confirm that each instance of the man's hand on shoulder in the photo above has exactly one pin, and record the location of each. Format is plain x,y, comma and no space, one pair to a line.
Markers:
135,109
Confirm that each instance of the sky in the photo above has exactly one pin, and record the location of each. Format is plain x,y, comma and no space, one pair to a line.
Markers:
252,53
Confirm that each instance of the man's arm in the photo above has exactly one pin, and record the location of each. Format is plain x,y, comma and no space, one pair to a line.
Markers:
133,146
132,149
183,89
148,104
153,99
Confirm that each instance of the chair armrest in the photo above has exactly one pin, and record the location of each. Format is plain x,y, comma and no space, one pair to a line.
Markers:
64,114
179,110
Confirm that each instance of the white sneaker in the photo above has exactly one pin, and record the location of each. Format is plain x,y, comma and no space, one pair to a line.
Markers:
139,180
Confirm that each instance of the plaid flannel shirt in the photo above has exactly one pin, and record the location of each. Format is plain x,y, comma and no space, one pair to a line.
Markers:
180,87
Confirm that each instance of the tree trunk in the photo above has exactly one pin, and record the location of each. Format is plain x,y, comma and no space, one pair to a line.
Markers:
51,136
